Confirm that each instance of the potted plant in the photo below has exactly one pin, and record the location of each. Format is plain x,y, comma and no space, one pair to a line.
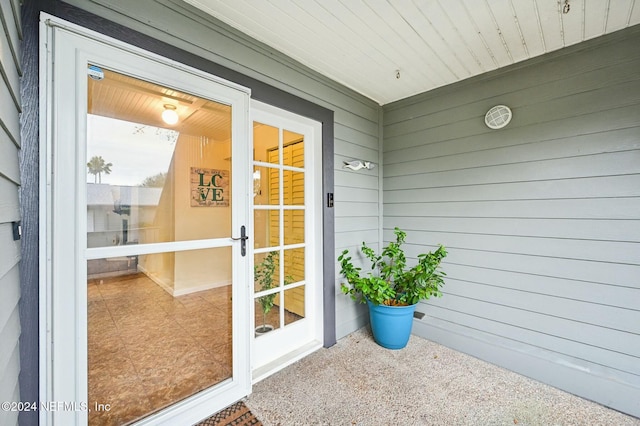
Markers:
393,289
264,276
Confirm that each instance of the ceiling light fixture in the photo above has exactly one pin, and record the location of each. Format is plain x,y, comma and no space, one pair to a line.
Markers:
169,115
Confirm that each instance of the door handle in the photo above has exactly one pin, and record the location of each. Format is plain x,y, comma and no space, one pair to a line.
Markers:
243,240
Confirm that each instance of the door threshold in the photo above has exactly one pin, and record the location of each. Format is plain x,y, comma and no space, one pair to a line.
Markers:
284,361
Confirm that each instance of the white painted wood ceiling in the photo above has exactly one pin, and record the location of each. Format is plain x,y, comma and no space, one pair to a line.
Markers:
127,98
391,49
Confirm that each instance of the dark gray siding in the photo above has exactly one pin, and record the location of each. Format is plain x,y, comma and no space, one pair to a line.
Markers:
356,132
541,218
10,39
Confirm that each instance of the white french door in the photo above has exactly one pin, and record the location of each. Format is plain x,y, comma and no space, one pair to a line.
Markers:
287,229
144,272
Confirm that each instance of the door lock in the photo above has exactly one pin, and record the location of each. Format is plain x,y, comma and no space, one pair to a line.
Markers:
243,240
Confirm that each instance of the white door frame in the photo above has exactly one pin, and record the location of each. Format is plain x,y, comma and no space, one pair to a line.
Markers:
277,349
63,252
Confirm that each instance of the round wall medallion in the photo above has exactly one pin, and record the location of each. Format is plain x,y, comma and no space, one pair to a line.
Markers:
498,117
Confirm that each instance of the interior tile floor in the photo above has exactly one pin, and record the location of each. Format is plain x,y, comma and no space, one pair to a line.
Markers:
148,349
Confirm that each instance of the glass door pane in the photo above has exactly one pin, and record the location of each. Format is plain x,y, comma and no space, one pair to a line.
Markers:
158,171
279,220
147,348
149,181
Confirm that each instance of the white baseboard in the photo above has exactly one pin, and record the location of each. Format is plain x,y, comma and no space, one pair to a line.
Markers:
164,285
208,286
181,292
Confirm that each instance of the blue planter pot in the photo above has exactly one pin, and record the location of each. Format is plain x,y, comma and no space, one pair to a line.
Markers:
391,325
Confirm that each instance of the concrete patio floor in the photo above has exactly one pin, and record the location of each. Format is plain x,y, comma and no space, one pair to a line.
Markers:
357,382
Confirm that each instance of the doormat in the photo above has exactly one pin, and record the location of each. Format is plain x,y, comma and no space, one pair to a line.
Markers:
237,414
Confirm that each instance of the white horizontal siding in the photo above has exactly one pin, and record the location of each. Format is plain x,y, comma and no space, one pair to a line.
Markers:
357,211
515,325
590,314
560,188
578,229
557,287
541,219
9,158
9,114
590,250
10,249
581,75
567,268
9,207
8,309
582,146
10,52
615,208
436,145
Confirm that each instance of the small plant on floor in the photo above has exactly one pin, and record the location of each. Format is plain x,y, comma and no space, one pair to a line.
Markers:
392,282
264,273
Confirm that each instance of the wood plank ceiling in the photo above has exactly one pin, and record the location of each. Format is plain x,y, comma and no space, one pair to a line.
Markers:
127,98
391,49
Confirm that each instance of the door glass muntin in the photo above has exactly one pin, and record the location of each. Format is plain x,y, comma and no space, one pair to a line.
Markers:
279,226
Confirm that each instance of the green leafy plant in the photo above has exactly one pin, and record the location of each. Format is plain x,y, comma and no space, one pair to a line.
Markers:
264,273
392,282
